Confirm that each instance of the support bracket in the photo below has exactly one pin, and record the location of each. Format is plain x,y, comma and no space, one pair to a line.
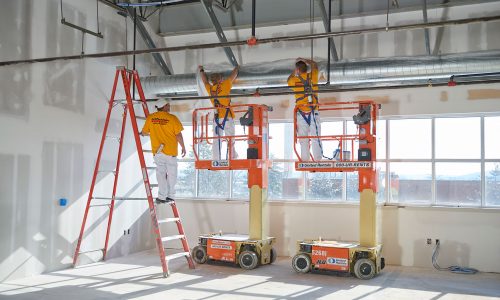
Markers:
207,4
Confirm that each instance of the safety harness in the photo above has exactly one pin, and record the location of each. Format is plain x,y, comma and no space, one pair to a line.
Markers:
312,100
219,125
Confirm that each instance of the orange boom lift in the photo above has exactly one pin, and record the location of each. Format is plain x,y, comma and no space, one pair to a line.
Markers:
363,258
248,251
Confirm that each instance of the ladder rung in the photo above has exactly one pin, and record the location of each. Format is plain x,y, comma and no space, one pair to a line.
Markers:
168,220
125,101
106,171
98,205
118,198
151,168
154,185
113,137
147,151
89,251
172,237
140,118
177,255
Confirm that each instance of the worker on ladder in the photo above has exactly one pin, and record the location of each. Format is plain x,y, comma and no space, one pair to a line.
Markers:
305,83
165,131
224,115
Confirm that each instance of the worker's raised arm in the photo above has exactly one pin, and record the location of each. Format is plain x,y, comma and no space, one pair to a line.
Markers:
203,75
234,73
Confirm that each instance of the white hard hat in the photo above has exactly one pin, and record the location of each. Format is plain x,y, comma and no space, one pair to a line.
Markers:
162,102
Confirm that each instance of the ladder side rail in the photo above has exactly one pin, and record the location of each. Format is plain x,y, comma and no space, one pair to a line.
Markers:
152,209
96,168
138,84
115,183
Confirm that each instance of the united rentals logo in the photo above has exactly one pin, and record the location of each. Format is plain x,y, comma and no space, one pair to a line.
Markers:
337,261
220,163
315,165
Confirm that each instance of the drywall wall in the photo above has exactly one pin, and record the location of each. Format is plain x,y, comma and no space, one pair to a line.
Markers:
469,237
51,116
51,119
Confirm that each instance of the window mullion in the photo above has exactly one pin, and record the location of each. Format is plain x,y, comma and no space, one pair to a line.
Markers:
483,165
433,161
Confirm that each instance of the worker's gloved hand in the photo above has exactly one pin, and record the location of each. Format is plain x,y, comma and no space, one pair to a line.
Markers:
200,69
183,152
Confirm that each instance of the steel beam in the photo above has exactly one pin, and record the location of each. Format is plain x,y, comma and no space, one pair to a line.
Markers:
324,17
149,42
207,4
426,30
278,39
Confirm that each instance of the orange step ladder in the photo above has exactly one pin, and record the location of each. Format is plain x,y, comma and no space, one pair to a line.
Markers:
129,77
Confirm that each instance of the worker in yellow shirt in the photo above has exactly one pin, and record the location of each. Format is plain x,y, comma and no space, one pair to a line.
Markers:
305,79
165,131
224,116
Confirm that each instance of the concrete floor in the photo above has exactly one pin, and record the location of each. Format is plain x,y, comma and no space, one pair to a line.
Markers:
138,276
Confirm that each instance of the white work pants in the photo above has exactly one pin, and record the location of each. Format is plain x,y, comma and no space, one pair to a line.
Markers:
313,129
217,143
166,174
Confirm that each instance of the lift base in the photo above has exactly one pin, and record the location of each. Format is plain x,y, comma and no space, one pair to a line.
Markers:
235,248
348,257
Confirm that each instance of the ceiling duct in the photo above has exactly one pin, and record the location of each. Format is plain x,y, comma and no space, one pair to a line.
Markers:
349,74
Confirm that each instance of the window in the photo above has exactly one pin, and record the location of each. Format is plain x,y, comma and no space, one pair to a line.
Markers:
458,184
411,182
410,139
458,138
491,133
492,174
424,161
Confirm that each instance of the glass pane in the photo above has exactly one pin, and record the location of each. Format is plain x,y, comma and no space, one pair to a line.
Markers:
381,139
458,184
213,184
352,184
411,183
240,146
285,182
331,128
458,138
185,186
324,186
187,135
240,184
410,139
382,172
491,139
492,172
277,141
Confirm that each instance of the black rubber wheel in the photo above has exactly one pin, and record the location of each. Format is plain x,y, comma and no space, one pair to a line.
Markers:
199,254
274,254
248,260
301,263
364,268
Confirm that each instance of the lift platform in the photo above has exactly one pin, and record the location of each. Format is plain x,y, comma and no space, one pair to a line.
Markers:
256,248
355,153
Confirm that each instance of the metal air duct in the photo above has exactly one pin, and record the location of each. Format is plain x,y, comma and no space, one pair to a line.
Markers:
350,74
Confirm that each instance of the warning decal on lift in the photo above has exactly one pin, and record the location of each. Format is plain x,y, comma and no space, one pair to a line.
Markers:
352,164
221,250
220,163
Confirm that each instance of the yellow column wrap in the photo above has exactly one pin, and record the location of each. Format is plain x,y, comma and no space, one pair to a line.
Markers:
259,218
368,218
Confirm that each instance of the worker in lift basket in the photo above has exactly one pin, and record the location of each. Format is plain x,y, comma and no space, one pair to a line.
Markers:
224,116
165,131
305,79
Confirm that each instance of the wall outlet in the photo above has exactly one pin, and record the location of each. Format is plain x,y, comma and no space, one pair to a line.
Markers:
429,241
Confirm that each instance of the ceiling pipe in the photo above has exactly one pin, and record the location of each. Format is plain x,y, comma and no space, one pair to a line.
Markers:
259,41
351,74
